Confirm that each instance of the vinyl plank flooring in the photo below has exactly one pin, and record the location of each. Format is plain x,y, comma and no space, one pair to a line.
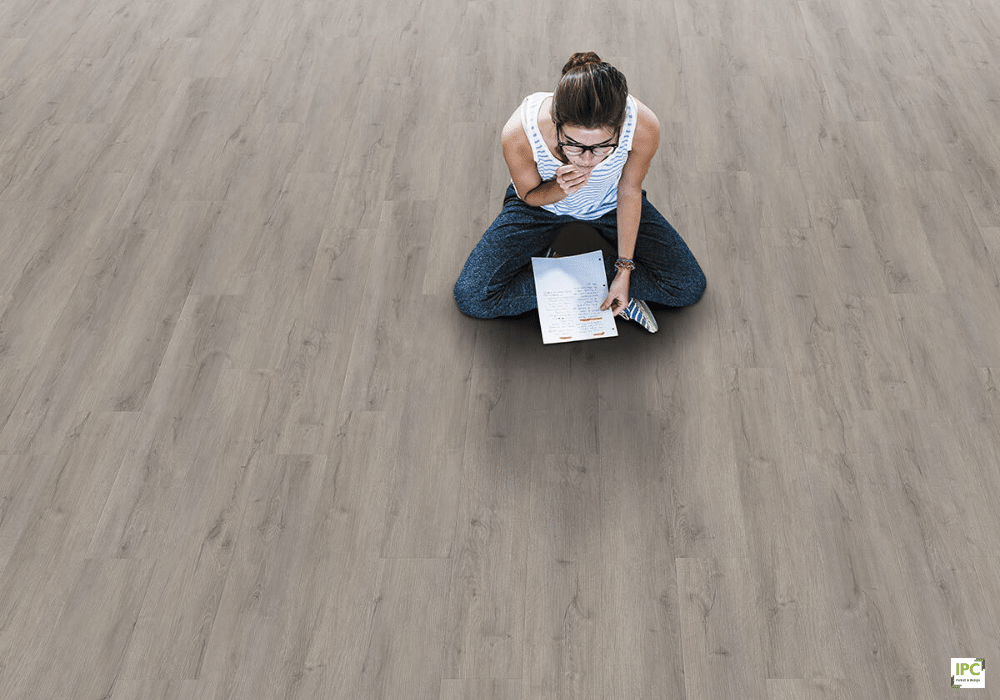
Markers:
763,129
195,358
860,575
564,588
759,36
819,689
565,400
837,341
850,262
13,383
96,625
288,248
154,689
40,271
132,524
842,72
775,488
43,170
640,630
364,166
975,296
983,590
696,19
878,377
485,689
432,419
268,592
659,77
23,480
930,537
909,123
676,189
222,33
510,406
351,526
989,384
330,114
735,261
941,362
816,135
952,233
125,375
409,613
708,71
49,558
720,629
563,604
817,387
318,345
787,205
890,209
708,509
204,493
968,441
388,313
220,272
250,447
57,390
484,625
817,377
467,218
971,151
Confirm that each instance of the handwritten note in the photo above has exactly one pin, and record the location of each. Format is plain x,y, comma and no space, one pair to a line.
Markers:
570,292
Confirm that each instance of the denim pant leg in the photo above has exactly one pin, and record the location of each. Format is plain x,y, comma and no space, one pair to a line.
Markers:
665,272
497,279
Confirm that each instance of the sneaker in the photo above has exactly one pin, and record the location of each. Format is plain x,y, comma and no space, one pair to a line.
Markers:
638,311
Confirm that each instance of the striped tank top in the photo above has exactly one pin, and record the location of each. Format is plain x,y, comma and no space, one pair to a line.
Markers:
600,194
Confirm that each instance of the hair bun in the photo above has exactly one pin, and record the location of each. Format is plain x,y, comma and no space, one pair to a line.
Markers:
581,59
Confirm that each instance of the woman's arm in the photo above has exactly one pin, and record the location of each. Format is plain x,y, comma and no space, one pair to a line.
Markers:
644,144
524,172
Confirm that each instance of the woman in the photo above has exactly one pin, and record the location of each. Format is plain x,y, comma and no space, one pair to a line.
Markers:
580,153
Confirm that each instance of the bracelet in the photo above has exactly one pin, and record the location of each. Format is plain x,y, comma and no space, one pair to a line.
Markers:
625,264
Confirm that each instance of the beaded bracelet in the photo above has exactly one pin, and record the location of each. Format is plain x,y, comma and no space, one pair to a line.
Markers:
624,264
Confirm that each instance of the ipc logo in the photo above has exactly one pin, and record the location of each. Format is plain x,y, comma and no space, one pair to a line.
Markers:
968,673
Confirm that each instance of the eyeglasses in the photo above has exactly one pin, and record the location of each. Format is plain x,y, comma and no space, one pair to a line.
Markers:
601,150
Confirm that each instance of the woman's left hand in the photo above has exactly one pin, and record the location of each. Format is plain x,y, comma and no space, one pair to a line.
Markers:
618,297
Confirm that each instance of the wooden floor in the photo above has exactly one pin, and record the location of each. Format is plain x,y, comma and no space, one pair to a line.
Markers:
250,449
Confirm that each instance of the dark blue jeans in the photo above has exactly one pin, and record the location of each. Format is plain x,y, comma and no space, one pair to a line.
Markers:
497,279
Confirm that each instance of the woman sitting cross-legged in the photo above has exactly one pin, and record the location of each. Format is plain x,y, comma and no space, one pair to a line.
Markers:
580,154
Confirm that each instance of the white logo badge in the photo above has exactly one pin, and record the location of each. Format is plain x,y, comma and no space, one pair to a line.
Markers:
968,673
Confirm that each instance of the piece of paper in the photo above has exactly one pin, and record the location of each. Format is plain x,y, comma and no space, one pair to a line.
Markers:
570,292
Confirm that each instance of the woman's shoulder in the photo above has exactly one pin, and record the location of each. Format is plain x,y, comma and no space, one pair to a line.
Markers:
644,115
514,132
532,101
537,98
647,126
514,139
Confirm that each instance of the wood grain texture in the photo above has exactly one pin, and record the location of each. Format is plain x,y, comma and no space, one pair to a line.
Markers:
250,448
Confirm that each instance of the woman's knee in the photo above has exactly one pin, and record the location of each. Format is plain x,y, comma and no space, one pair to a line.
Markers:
696,288
702,284
681,288
469,298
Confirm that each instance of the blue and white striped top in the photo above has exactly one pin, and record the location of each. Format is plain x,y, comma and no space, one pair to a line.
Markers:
600,194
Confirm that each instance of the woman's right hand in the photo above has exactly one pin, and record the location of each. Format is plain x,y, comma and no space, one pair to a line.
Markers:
572,178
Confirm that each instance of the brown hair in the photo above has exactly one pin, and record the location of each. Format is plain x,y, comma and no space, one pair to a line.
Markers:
590,93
